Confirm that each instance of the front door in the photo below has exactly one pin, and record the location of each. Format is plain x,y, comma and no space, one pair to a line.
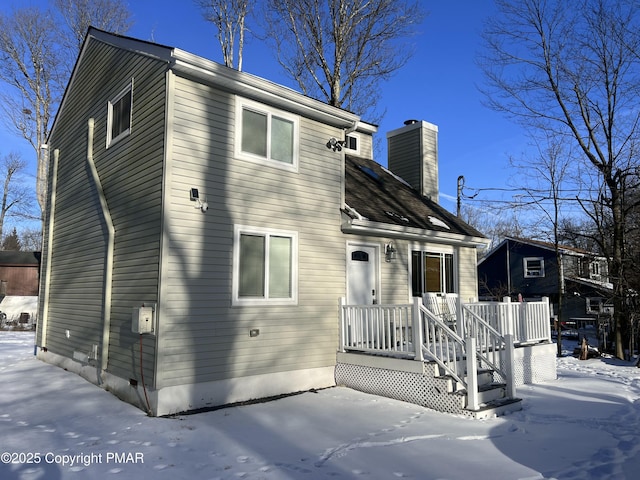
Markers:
362,275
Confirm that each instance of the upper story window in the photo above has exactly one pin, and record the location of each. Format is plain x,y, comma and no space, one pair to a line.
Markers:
267,135
265,266
119,112
432,272
533,267
352,142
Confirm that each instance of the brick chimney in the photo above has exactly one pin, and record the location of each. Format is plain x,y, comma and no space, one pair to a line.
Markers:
412,154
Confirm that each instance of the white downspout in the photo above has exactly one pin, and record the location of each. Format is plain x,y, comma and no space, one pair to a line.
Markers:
47,274
108,272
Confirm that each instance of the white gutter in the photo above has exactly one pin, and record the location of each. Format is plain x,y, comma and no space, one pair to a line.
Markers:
47,274
368,227
108,269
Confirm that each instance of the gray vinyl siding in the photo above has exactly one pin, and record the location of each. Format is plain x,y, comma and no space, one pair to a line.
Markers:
404,157
468,261
413,156
203,336
131,175
395,276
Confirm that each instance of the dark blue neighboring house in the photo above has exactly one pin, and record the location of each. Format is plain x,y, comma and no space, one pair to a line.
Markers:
528,269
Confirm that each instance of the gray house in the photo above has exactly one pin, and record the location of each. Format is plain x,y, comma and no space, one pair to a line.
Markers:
204,224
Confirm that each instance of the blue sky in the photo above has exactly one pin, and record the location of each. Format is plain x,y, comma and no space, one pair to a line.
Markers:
438,85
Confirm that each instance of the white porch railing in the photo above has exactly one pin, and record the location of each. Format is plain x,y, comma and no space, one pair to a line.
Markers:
528,322
413,331
376,328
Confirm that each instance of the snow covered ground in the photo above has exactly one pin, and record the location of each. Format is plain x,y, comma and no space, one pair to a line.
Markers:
54,425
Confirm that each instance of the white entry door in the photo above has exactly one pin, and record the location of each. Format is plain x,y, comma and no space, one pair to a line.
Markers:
362,275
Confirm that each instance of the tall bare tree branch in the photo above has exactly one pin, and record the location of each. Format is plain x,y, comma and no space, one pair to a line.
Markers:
340,50
229,19
571,68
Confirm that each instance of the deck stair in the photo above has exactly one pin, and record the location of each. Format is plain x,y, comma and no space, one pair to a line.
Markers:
492,395
409,353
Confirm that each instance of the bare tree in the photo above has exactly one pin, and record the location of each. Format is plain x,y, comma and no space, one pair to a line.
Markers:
571,68
549,170
14,197
340,50
31,69
79,15
228,18
31,240
36,57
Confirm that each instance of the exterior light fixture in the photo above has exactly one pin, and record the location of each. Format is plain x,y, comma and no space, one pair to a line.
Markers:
335,144
389,252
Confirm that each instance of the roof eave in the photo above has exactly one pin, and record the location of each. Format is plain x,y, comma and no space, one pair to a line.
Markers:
259,89
378,229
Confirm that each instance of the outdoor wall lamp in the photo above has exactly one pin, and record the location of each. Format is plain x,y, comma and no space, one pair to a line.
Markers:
195,197
389,251
335,144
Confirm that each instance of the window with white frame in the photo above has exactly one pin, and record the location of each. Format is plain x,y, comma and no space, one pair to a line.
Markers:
119,112
533,267
432,272
266,135
352,142
265,266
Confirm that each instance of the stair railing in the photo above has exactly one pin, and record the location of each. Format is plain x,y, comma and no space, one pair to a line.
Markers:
493,350
439,343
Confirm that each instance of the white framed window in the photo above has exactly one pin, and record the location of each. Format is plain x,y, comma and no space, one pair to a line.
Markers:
119,114
266,135
432,272
533,267
352,143
265,266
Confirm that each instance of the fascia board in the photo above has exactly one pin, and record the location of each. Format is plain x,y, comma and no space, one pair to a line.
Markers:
265,91
378,229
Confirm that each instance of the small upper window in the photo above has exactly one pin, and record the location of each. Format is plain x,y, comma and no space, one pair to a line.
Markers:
351,143
119,115
533,267
267,135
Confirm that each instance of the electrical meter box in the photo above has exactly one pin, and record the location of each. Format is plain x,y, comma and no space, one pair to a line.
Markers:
142,320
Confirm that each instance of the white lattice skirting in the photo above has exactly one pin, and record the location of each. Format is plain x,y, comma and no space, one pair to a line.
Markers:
417,383
405,384
535,364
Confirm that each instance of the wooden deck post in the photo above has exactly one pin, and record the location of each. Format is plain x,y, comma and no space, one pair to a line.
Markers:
472,374
510,370
416,329
509,327
547,315
341,330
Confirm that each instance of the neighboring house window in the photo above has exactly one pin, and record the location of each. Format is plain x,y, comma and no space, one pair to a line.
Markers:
594,305
267,135
119,115
594,269
265,266
352,142
432,272
533,267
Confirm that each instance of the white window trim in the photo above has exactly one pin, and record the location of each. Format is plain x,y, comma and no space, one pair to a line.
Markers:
242,103
236,299
433,248
358,141
526,270
110,104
